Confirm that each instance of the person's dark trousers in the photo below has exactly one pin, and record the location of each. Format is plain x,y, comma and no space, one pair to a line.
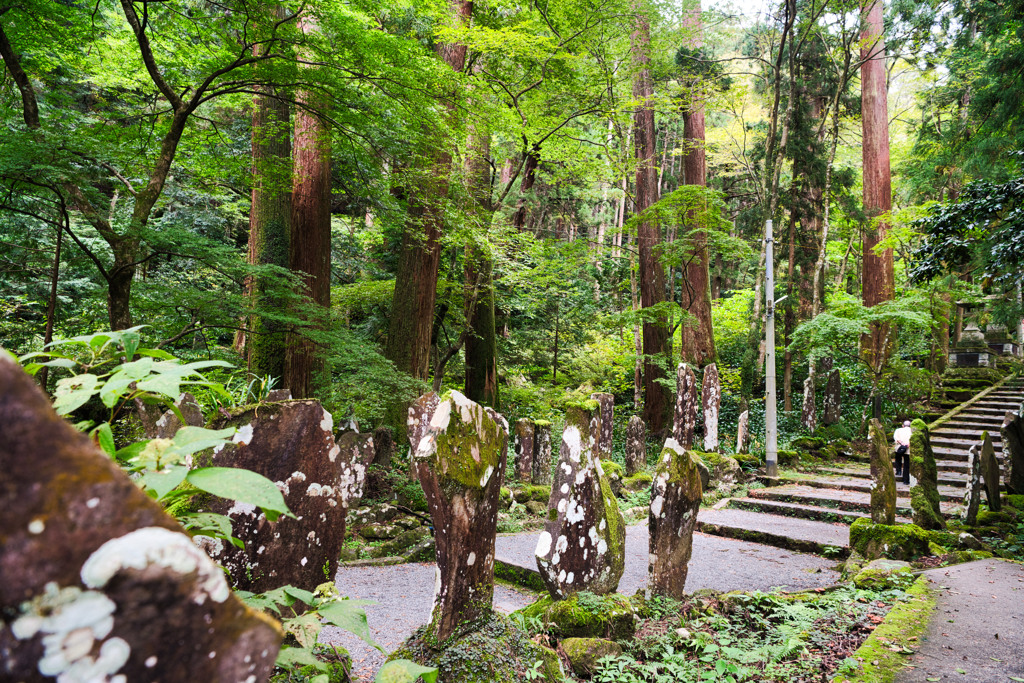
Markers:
903,463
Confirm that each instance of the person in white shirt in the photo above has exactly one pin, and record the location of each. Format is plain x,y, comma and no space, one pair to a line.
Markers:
902,438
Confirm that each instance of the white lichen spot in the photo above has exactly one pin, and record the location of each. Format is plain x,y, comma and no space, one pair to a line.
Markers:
92,503
332,454
36,527
471,560
442,417
602,547
571,440
603,525
566,468
575,513
303,561
565,488
561,576
486,476
151,662
656,505
543,544
570,577
561,505
212,655
327,422
151,546
583,541
243,435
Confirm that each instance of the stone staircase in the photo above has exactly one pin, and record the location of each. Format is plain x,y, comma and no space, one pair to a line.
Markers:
812,512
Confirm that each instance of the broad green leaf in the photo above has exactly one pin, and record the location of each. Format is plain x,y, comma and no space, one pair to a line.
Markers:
130,339
299,594
298,656
405,671
117,384
349,615
162,483
155,353
105,439
130,451
243,486
189,440
73,392
305,627
211,524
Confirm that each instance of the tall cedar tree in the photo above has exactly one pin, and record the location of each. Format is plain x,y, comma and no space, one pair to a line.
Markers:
412,307
698,339
879,277
652,274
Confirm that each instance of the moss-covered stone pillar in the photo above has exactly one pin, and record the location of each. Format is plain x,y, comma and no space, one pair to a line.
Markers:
583,545
685,418
833,398
523,441
1013,451
606,422
460,461
924,494
675,499
636,445
711,400
972,495
98,582
990,473
883,487
743,432
542,453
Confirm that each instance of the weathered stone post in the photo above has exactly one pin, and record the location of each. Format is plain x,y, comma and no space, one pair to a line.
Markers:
636,445
1013,451
924,495
606,420
523,443
883,489
459,458
711,397
583,545
675,499
743,432
356,452
292,444
972,495
809,415
99,583
833,398
990,473
542,453
685,420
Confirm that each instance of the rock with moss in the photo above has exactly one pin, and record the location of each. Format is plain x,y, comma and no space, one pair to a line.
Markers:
833,399
675,500
98,581
636,445
585,615
972,492
743,432
523,439
990,473
583,544
788,458
1012,432
460,462
490,650
809,413
882,573
292,444
638,482
584,653
896,542
924,495
523,494
684,421
606,422
166,425
711,401
883,481
542,453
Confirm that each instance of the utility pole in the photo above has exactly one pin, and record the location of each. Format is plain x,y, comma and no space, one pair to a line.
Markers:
771,432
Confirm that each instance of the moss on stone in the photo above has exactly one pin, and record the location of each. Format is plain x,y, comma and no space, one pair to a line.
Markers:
882,574
1014,500
989,518
807,443
505,497
468,452
907,622
788,458
528,492
613,469
542,423
585,615
616,534
897,542
638,482
924,495
584,653
586,404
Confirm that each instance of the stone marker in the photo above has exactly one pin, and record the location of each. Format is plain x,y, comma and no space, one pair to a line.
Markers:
833,398
883,487
636,445
990,473
356,452
1013,451
685,420
292,444
158,424
542,453
383,446
278,395
606,420
583,545
460,461
523,441
924,495
809,415
675,499
99,583
711,397
743,432
972,496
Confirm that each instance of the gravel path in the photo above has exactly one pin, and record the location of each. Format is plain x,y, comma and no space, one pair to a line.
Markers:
404,593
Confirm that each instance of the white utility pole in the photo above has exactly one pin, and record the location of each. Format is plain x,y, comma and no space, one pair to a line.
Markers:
771,431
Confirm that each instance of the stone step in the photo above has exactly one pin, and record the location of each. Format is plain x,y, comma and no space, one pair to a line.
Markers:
801,535
863,485
943,442
960,466
837,499
805,511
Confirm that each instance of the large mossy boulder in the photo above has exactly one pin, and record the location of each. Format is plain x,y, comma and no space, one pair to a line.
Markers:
924,495
585,653
882,573
896,542
585,615
491,650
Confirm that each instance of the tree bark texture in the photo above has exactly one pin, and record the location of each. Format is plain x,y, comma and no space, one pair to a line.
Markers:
878,275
